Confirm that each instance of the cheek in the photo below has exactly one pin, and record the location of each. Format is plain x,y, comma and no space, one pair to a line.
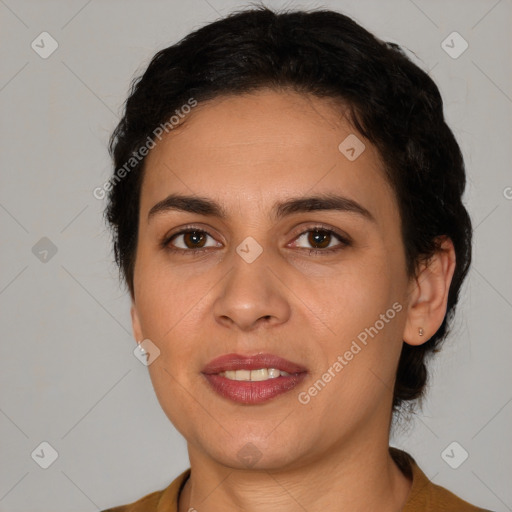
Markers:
167,298
358,293
362,309
174,398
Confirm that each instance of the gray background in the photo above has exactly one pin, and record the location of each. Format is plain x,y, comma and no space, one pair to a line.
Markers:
68,375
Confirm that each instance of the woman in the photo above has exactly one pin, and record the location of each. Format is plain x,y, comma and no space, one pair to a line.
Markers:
287,217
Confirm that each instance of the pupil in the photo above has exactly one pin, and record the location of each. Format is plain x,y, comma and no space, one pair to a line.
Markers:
196,237
316,238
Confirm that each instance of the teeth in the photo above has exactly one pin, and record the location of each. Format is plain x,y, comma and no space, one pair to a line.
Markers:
259,374
254,375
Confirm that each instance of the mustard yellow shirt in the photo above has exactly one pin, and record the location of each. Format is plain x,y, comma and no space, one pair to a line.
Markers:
423,497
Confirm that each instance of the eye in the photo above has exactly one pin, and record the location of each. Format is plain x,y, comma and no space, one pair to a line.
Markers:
189,240
193,241
323,240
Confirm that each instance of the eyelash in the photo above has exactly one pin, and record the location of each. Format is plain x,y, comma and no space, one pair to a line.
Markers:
344,241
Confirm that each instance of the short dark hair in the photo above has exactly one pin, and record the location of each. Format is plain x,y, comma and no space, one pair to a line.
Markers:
390,100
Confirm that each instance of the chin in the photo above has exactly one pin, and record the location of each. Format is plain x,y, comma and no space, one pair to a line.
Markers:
258,452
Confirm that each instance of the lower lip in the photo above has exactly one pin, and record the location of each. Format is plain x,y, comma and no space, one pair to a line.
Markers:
253,392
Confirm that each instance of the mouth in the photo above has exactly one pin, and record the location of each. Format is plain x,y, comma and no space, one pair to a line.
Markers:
252,379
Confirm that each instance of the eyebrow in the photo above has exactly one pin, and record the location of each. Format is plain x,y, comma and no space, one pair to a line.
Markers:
208,207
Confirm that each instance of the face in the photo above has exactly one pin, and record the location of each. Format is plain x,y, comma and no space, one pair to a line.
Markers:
319,284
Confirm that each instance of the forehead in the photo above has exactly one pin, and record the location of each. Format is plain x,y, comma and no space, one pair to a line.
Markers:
249,151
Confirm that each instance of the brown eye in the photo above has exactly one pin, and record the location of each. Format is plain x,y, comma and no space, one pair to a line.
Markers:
189,240
321,240
194,238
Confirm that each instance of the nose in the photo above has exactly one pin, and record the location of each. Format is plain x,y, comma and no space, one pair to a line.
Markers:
252,295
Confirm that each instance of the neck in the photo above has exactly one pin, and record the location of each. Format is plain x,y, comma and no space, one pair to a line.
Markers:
358,476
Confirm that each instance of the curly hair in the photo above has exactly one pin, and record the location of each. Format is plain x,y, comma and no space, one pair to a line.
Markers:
390,100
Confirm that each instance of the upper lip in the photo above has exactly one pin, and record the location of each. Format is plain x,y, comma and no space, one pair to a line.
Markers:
255,362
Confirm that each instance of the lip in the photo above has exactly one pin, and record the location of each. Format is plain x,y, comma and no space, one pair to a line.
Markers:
252,392
255,362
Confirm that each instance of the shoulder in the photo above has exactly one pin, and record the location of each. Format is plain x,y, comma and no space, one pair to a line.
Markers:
165,500
425,496
442,499
148,503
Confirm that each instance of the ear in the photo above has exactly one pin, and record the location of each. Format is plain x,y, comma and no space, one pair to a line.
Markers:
137,330
429,294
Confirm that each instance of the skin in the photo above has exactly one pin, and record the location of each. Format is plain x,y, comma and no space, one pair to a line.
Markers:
248,152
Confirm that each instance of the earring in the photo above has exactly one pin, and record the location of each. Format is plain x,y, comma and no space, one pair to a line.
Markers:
420,331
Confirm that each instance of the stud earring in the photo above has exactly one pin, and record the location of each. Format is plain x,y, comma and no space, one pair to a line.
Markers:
420,331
